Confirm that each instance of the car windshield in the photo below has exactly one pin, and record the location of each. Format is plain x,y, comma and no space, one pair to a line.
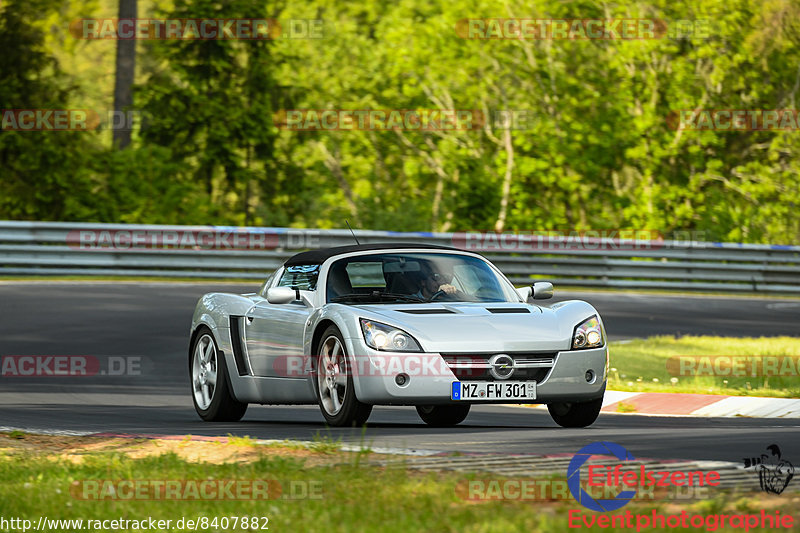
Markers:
416,277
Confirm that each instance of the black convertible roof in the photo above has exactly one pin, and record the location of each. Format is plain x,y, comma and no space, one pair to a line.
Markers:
316,257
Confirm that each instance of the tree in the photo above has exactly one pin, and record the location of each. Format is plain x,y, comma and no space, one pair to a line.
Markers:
124,75
44,175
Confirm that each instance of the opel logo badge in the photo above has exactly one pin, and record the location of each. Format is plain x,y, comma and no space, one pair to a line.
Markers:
501,366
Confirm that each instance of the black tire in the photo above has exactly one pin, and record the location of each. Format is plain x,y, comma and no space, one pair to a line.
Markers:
351,412
223,407
443,415
575,415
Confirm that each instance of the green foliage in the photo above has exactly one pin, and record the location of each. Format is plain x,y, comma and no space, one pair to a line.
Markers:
653,365
43,175
209,102
599,152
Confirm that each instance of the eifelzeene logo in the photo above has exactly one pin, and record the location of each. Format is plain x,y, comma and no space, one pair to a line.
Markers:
574,477
774,472
626,474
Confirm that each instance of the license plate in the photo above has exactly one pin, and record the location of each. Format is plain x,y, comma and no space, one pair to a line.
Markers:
493,390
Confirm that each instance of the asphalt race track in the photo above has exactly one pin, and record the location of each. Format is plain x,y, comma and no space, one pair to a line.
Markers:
151,320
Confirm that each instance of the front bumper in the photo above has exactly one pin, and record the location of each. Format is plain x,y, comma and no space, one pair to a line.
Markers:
429,377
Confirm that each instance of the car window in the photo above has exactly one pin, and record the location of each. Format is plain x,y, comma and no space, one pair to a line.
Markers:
465,278
478,281
302,277
393,277
267,284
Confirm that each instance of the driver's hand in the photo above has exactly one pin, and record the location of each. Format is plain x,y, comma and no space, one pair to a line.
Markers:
447,288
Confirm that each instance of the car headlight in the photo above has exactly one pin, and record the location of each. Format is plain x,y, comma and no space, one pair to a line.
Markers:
387,338
588,334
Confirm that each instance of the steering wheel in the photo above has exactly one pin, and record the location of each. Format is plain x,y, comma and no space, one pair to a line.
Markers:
436,295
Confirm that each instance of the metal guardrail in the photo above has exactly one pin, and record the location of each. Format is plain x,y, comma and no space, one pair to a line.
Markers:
86,249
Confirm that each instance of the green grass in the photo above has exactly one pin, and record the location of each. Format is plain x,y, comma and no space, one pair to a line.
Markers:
641,365
136,279
681,293
325,444
245,441
625,407
351,496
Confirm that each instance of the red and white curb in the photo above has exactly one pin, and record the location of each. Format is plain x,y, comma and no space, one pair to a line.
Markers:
705,405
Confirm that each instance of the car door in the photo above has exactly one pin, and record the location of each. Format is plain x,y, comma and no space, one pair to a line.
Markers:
273,333
274,337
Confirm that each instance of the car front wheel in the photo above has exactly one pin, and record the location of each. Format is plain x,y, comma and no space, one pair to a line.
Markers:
211,395
443,415
334,384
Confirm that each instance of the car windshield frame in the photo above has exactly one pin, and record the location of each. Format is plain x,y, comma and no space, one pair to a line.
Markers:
391,277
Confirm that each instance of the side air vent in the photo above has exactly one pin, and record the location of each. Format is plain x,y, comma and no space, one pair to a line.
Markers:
427,311
236,341
508,310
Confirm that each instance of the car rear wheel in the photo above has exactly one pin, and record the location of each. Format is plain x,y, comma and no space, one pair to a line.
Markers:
575,415
211,394
334,384
443,415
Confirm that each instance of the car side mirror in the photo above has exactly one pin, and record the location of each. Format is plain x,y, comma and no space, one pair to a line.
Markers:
281,295
525,293
542,290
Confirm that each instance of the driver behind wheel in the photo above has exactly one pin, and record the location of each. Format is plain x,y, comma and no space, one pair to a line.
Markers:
430,282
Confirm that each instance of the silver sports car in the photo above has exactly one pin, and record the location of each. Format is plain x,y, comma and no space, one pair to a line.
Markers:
396,324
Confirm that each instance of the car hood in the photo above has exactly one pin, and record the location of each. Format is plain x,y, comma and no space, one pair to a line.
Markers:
484,327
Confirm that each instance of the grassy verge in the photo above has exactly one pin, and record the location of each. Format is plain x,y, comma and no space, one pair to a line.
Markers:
134,279
679,293
40,475
646,365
